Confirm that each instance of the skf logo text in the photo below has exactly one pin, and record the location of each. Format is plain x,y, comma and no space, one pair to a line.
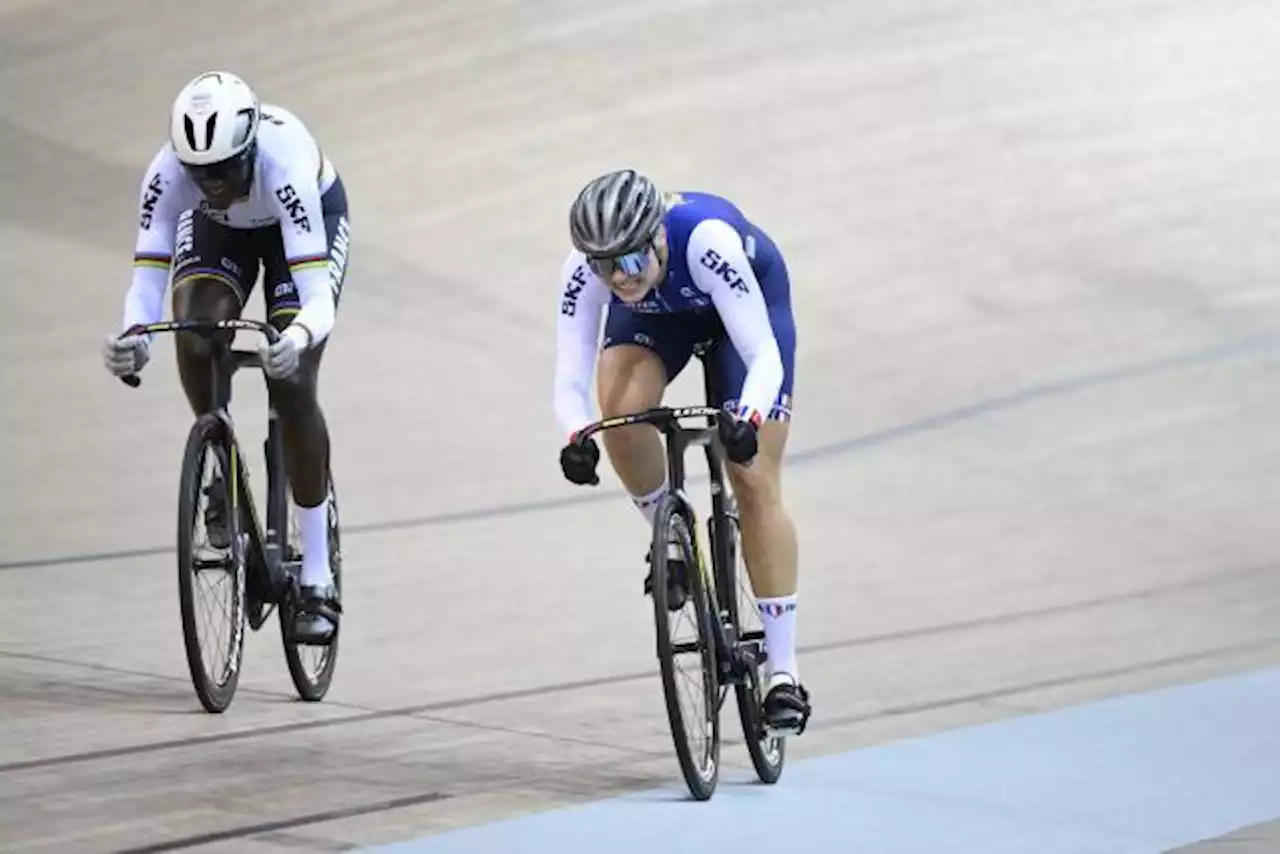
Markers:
292,202
569,302
713,262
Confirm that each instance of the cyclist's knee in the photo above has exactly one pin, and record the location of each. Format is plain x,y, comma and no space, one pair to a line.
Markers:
199,298
629,378
759,484
294,397
755,487
204,298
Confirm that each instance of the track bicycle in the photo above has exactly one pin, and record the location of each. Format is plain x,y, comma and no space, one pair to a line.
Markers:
260,560
728,653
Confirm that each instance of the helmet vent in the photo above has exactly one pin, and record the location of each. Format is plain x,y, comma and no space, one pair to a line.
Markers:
189,127
244,126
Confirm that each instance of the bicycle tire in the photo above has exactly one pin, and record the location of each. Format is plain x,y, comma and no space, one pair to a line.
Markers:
768,752
313,688
208,435
670,519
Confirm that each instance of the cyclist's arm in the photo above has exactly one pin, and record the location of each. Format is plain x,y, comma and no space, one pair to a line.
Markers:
580,301
159,203
306,250
720,268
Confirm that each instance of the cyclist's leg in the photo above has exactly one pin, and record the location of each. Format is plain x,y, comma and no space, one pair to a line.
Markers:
632,376
302,422
214,269
640,355
768,535
769,542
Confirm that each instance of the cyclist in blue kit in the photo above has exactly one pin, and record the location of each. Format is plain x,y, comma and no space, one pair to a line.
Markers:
670,271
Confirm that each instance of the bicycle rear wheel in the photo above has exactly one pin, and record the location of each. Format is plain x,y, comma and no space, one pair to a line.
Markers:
767,751
208,450
698,752
311,666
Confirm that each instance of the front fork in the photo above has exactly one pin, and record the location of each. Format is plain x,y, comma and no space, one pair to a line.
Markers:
746,650
250,544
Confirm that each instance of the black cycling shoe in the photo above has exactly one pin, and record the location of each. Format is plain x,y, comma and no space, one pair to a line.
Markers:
786,708
316,615
677,581
215,514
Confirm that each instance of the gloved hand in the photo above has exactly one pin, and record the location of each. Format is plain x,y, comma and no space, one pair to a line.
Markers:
280,359
739,439
126,355
578,462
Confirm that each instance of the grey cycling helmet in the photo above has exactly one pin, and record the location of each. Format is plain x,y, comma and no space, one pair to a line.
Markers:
615,213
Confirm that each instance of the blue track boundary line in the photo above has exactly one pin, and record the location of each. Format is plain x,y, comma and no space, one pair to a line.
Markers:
1137,773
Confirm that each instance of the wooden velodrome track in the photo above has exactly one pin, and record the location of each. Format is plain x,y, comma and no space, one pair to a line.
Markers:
1034,461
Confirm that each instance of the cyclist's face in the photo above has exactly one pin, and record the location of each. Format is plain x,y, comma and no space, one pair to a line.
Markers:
219,193
223,183
632,288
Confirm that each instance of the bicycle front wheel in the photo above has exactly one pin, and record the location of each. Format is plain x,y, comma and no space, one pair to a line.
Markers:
695,725
211,565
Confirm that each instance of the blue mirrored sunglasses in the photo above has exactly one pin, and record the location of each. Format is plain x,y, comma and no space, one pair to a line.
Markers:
631,263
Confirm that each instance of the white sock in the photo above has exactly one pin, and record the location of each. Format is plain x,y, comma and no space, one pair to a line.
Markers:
779,618
313,527
648,504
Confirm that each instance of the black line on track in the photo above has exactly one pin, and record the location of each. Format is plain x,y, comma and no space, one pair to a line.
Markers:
959,414
281,729
577,685
284,824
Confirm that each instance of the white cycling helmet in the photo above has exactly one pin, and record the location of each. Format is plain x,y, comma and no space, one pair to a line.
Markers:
213,128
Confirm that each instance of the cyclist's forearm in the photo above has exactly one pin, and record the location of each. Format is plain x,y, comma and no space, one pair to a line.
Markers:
144,303
316,296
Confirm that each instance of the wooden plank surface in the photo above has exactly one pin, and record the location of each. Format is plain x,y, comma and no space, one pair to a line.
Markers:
1033,256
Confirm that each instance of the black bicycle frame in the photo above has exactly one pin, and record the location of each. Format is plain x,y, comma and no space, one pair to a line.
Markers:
269,542
679,440
226,361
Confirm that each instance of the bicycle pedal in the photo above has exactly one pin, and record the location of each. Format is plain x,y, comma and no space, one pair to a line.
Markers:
784,731
319,641
256,614
325,639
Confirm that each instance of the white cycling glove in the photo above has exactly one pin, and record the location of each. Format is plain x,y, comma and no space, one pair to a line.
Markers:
126,355
280,359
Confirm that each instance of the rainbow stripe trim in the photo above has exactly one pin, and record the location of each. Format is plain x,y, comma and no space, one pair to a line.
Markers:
310,262
196,274
156,260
